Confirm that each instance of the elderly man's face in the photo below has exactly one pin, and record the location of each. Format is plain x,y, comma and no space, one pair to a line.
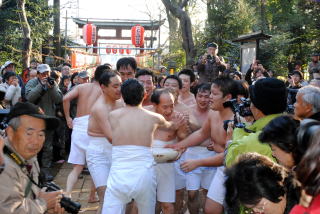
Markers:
65,71
29,137
301,108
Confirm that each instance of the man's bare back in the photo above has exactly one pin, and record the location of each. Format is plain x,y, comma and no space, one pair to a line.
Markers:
99,125
134,126
87,95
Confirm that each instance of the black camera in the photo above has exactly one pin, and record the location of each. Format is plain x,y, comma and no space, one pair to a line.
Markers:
50,81
239,109
65,202
211,59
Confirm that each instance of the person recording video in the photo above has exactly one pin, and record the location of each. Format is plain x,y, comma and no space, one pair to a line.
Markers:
44,92
20,191
210,64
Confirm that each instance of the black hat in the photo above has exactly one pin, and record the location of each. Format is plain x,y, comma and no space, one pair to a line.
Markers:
30,109
269,95
212,44
315,54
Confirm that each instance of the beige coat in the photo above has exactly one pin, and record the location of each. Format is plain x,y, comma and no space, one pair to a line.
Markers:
14,195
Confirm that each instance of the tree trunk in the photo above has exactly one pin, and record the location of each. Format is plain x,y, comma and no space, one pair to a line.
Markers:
56,28
186,28
264,21
27,42
173,26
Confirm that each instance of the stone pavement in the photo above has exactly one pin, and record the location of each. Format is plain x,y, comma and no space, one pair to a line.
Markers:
80,191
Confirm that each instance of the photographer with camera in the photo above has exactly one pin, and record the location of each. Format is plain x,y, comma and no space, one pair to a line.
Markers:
44,92
20,189
210,64
268,100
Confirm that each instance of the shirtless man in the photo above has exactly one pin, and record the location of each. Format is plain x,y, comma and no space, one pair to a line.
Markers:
132,174
185,96
146,77
222,90
202,176
175,84
163,103
98,153
87,94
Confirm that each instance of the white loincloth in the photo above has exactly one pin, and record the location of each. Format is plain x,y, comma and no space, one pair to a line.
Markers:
79,140
180,176
99,159
132,176
201,176
217,190
166,191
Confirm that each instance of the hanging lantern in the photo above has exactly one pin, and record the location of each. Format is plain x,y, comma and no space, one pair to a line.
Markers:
108,50
89,34
121,51
114,50
137,35
128,51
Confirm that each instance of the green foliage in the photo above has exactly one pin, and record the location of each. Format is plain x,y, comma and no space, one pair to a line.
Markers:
227,19
294,25
274,53
38,14
177,56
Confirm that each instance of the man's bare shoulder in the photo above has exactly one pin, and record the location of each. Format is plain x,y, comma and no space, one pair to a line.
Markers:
120,104
99,106
183,108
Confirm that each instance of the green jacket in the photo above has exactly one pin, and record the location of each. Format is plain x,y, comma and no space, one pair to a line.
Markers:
243,142
45,98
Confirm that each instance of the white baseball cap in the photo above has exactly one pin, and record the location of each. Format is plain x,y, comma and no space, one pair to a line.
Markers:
43,68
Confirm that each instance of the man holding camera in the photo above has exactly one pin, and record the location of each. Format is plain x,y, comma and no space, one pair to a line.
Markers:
20,191
44,92
210,64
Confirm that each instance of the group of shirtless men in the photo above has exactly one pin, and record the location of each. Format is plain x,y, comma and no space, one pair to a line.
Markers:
120,115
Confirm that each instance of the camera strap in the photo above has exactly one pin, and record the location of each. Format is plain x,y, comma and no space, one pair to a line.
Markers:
13,156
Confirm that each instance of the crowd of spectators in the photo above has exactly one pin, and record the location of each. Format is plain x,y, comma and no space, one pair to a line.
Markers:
266,151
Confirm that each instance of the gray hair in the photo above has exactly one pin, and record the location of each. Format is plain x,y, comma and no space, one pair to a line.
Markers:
311,95
14,123
315,82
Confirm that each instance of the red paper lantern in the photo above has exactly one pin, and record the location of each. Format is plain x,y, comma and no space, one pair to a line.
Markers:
89,34
114,50
137,35
108,50
128,51
121,51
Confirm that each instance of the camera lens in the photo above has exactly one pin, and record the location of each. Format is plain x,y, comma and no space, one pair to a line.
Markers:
69,205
